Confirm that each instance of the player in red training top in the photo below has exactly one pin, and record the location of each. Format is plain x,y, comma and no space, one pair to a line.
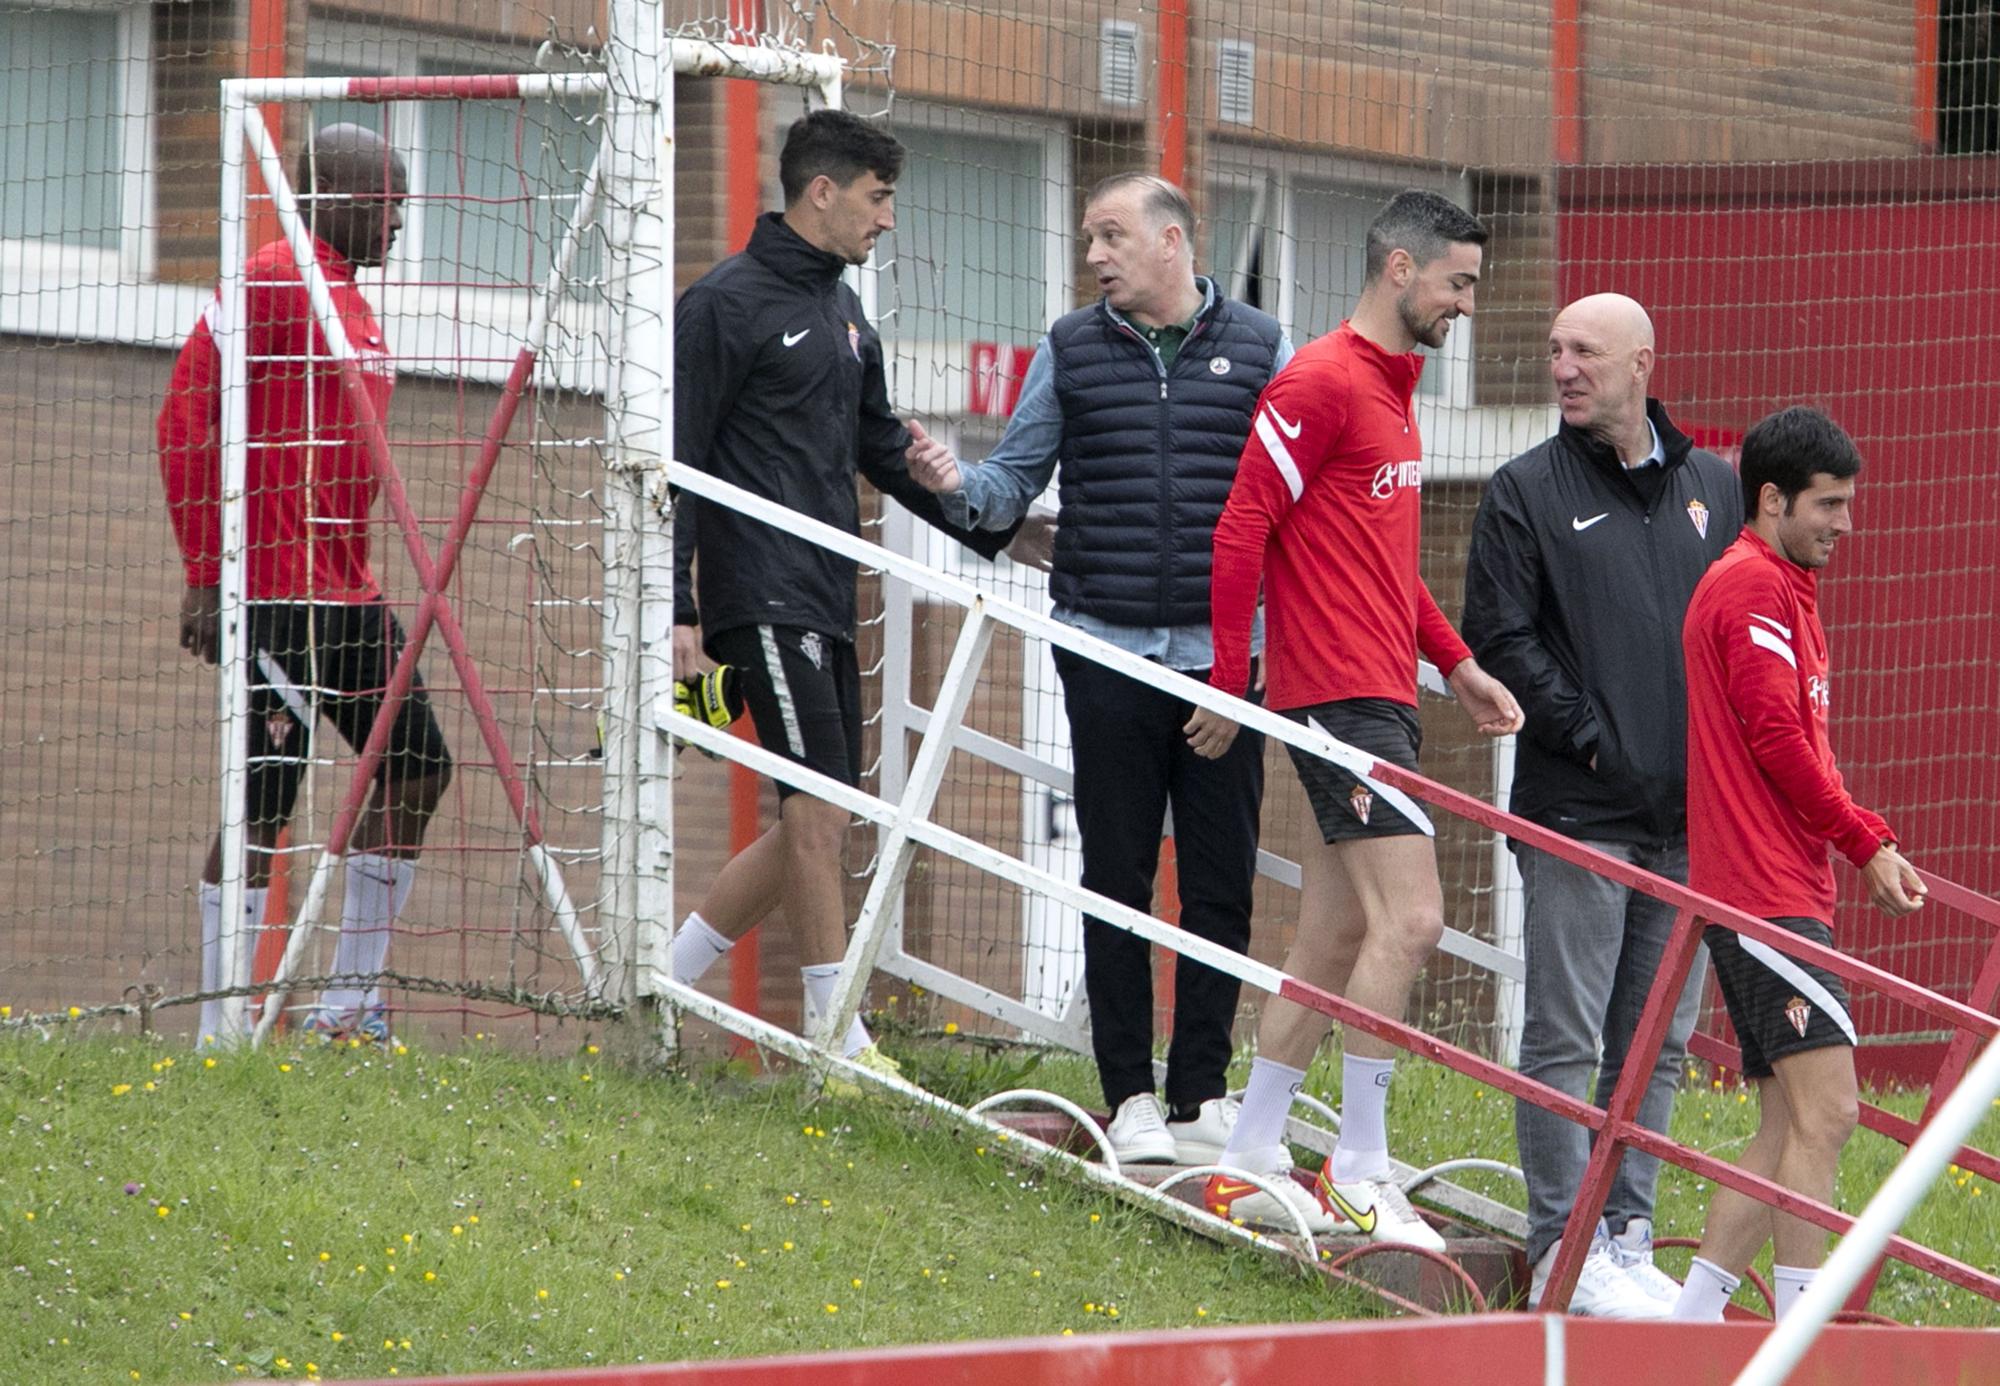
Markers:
1764,803
319,635
1324,516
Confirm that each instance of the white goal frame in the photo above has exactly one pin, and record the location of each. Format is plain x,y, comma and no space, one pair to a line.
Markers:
628,190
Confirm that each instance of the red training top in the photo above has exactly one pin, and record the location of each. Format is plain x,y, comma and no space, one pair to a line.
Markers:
1328,490
1764,798
310,483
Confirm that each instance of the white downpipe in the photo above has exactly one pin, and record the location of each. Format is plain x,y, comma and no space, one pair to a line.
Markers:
1893,1203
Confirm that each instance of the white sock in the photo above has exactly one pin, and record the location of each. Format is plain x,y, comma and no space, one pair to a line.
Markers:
377,889
819,980
1363,1151
696,948
208,1029
1788,1286
1705,1293
1260,1123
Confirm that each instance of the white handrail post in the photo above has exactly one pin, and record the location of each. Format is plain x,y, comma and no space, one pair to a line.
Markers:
1509,912
892,864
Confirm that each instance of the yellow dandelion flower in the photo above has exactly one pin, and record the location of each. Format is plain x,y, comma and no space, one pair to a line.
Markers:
30,1215
744,1227
951,1027
150,1087
618,1275
284,1068
576,1183
388,1344
430,1276
541,1294
325,1256
404,1345
1036,1274
1069,1333
283,1364
472,1219
337,1336
1094,1217
1112,1312
457,1230
784,1246
723,1284
790,1200
583,1078
402,1049
590,1049
74,1012
1200,1312
208,1063
855,1282
927,1272
832,1308
7,1013
978,1150
165,1211
120,1089
1089,1307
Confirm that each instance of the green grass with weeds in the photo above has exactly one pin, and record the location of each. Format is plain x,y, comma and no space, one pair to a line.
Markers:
322,1212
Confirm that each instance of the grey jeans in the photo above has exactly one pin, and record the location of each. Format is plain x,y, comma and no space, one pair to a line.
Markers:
1592,949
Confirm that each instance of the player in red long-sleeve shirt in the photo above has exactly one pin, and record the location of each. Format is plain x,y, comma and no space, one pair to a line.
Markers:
1324,517
320,636
1765,801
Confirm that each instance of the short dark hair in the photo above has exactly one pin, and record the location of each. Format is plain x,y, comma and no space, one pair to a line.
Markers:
1423,224
838,144
1788,449
1163,201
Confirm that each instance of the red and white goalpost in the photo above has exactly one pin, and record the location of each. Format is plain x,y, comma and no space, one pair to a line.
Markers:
604,341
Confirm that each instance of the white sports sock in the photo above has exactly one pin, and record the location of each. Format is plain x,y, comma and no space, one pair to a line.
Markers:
819,979
696,948
377,889
1705,1293
1363,1151
208,1030
1788,1285
1260,1122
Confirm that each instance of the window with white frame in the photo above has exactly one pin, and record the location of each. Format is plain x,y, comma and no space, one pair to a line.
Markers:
75,92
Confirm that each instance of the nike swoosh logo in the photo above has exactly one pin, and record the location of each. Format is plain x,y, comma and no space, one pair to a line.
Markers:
792,339
1365,1222
1289,429
1232,1190
1581,525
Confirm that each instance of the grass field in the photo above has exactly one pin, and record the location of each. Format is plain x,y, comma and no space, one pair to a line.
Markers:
330,1212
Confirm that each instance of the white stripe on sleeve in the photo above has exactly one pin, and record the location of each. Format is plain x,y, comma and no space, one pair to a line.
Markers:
1281,455
1760,636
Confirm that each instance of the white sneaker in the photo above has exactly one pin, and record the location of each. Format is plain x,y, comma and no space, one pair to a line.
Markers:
1201,1141
1603,1290
1632,1249
1377,1208
1139,1134
1241,1201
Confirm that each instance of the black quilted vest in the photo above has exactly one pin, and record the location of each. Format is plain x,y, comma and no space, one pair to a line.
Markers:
1148,460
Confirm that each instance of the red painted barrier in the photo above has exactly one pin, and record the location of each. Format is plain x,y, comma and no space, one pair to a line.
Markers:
1492,1350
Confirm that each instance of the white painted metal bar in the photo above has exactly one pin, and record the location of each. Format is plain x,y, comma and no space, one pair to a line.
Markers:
231,334
962,593
892,864
1913,1177
1007,1009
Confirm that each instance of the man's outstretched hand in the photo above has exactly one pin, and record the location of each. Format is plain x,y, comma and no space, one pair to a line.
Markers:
201,623
931,462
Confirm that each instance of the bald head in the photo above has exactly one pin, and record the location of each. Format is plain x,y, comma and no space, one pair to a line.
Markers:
359,182
1601,355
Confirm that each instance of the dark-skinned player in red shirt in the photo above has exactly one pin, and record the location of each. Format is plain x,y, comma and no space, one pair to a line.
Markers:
321,639
1324,518
1765,803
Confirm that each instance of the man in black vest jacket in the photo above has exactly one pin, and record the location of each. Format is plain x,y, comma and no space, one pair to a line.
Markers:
1584,555
778,388
1140,405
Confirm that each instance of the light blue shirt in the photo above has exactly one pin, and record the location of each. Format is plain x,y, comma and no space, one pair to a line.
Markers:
994,494
1657,457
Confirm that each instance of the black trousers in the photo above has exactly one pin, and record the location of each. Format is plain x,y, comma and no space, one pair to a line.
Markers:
1132,761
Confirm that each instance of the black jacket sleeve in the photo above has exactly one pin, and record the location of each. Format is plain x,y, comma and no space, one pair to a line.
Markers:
709,366
883,441
1503,582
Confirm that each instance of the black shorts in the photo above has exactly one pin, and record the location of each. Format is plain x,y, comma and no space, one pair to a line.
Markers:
803,689
1346,808
335,660
1779,1004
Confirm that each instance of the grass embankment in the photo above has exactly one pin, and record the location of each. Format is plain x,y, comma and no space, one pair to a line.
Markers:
333,1212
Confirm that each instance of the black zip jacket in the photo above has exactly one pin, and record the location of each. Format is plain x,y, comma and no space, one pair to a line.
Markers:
1575,588
778,388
